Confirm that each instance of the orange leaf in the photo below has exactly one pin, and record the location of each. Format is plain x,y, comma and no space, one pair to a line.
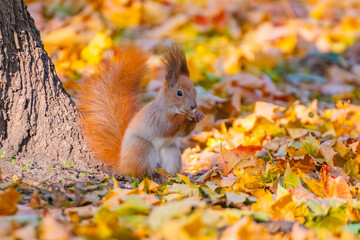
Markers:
36,201
8,200
334,187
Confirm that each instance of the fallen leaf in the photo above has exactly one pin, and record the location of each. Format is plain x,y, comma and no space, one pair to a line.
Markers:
36,201
304,163
296,133
234,198
8,200
172,210
213,174
328,154
52,229
290,178
28,232
228,181
245,228
164,173
266,110
302,195
231,158
334,187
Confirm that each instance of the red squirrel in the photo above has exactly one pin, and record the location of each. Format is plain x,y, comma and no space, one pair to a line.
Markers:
138,140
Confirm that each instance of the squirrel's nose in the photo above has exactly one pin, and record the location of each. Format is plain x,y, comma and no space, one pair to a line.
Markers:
193,106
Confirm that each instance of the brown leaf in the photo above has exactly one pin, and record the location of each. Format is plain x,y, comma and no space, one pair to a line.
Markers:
355,147
212,174
328,153
305,163
163,172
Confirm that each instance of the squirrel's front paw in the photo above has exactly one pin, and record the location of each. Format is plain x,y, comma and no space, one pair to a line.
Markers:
199,116
195,116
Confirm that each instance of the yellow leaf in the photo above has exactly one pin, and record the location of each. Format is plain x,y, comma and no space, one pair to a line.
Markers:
283,208
60,37
92,53
287,44
315,186
349,23
186,180
245,228
245,124
173,229
265,201
148,186
332,42
126,16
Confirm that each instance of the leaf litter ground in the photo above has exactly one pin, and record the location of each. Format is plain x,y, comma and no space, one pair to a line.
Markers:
277,156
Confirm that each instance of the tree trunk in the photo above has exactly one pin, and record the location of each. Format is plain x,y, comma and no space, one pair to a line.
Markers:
39,125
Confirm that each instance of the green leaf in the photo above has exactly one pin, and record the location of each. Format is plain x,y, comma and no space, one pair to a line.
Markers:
173,210
296,145
290,178
310,145
332,220
133,205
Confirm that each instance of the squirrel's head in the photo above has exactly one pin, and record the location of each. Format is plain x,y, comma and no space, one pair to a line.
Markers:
179,89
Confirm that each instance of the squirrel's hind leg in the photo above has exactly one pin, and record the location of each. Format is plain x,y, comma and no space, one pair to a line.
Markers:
171,159
138,158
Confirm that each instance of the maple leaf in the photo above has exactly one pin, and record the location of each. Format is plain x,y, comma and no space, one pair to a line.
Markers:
237,157
310,144
334,187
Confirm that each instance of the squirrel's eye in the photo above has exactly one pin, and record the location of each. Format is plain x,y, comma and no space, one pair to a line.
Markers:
179,93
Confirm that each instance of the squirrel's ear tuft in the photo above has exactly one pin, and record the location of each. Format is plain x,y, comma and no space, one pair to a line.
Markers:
175,62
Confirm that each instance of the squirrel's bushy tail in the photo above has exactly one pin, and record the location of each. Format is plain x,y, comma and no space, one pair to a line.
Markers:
110,99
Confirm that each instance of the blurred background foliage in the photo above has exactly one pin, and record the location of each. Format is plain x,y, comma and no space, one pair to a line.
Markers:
237,49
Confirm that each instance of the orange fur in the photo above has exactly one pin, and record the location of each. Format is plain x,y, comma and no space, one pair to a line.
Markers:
110,99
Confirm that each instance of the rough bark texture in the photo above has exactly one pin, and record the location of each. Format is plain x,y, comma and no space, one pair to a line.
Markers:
38,120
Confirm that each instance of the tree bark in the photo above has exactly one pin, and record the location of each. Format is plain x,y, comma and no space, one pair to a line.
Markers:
38,120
